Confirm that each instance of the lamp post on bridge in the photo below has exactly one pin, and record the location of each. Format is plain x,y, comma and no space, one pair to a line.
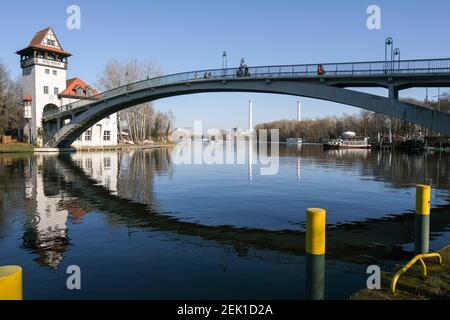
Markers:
388,43
397,53
224,60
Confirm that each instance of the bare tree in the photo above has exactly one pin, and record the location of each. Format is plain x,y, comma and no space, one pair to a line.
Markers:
11,115
142,119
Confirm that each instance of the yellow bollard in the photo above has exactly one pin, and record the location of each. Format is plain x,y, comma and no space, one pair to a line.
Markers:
11,283
315,254
315,231
422,219
423,196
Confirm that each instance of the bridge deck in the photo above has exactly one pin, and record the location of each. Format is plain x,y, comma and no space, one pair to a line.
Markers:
407,73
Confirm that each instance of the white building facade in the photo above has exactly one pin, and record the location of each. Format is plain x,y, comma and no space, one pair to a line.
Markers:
46,87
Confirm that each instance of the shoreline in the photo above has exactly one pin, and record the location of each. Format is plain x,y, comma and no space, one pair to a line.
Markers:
22,148
104,148
126,147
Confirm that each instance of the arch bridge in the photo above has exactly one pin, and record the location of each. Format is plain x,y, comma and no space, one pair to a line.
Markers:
330,82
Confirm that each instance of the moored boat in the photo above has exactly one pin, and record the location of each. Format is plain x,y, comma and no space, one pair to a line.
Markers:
349,140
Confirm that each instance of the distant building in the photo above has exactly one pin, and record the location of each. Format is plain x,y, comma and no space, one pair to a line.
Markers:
45,88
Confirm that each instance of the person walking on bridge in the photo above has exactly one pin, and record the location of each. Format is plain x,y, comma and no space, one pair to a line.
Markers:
320,70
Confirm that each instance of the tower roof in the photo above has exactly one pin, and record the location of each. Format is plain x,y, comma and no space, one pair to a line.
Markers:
45,40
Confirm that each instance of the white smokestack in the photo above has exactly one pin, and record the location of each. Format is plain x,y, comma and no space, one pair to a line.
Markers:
250,115
299,116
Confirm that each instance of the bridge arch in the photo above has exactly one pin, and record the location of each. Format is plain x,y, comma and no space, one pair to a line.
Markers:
102,108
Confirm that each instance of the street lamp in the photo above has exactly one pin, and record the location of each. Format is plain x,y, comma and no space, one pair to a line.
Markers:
388,43
397,53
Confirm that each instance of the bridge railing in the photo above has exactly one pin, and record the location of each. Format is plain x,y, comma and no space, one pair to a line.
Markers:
371,68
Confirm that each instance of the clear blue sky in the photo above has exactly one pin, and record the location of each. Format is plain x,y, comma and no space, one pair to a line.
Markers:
189,35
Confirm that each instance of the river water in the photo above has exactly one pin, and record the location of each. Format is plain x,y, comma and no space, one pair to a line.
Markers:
142,226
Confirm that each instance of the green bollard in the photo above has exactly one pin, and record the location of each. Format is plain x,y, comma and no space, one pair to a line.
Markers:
315,277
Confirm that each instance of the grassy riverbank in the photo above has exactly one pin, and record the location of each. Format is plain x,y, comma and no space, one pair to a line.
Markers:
412,285
16,148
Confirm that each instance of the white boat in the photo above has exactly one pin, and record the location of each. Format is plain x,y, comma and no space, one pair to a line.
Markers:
294,141
347,143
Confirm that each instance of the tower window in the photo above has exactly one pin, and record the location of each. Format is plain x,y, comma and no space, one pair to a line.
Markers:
55,72
47,71
45,89
79,92
107,135
56,91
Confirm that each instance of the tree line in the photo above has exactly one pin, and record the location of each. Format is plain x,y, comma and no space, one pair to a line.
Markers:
366,123
11,115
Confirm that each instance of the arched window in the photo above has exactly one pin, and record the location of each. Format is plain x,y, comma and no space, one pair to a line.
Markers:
50,109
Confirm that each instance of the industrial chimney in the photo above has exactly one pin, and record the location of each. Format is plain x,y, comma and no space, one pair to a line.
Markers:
250,116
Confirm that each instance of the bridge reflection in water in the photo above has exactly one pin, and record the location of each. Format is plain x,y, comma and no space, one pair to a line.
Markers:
61,192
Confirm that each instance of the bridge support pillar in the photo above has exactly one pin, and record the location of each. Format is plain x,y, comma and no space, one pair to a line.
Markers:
393,92
58,123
